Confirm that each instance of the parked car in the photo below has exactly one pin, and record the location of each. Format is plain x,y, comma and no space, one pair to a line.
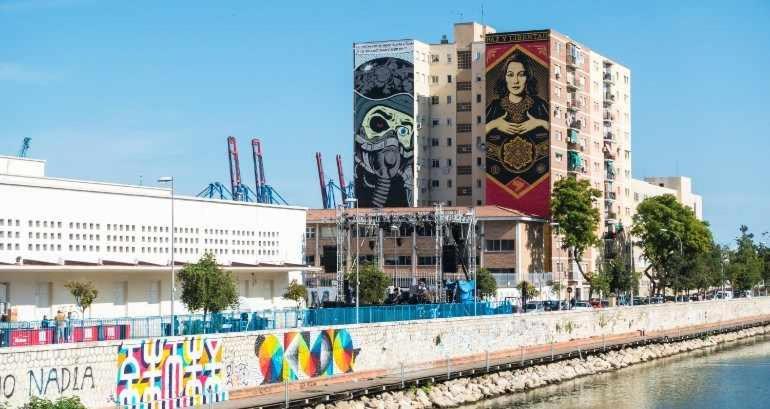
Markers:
582,306
534,306
723,295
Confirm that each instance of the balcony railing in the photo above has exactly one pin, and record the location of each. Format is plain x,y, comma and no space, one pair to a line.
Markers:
609,136
608,78
609,196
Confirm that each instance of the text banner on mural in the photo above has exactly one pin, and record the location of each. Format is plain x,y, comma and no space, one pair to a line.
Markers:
518,121
384,123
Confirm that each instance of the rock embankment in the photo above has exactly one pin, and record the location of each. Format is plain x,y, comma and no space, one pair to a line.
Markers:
469,390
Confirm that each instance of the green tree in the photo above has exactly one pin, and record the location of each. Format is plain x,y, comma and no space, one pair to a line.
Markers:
745,266
207,287
295,292
487,286
670,234
600,283
556,288
84,293
573,207
72,402
373,284
527,291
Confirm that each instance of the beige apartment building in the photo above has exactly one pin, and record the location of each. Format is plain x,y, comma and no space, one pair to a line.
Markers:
589,134
590,103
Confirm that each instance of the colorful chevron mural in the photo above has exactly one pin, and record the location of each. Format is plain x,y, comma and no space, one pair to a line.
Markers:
304,355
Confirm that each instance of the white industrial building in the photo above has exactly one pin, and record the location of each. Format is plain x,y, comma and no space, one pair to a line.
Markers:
120,237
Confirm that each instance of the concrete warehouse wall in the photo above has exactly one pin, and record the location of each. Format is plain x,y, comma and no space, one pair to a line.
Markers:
233,365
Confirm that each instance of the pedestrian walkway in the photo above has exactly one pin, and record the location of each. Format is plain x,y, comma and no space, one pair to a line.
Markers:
312,392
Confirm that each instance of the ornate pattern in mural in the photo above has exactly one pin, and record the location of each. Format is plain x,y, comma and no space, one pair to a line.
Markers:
518,121
170,373
304,355
384,126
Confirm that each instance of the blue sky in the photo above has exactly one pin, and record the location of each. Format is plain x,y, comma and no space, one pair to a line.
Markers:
117,90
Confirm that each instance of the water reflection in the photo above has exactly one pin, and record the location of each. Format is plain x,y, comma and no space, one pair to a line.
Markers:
731,376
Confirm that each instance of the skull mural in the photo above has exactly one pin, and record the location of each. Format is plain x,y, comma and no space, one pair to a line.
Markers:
384,132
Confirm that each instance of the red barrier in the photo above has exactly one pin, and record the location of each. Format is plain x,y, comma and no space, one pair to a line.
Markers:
26,337
85,334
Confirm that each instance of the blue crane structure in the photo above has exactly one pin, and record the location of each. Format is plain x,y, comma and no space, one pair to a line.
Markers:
24,147
239,191
329,188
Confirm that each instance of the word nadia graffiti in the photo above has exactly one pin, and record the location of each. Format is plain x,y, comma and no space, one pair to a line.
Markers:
171,373
60,380
303,355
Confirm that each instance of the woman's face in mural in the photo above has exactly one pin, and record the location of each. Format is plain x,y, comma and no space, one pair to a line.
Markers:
383,122
515,78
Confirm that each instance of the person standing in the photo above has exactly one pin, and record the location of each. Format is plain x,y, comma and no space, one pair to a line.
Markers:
61,325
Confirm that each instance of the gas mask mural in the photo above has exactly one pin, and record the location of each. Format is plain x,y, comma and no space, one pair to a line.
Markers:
384,125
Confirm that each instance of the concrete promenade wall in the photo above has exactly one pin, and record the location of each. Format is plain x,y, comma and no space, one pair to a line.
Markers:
179,369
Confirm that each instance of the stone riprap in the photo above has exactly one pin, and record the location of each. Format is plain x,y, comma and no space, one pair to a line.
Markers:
243,364
469,390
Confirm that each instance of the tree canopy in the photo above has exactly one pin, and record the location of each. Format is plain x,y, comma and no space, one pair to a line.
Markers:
373,284
573,207
745,267
486,284
295,292
670,235
207,287
84,293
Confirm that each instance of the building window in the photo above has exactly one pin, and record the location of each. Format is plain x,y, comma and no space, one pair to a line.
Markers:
464,60
310,232
435,163
448,141
434,79
464,148
478,161
449,163
464,191
464,127
464,170
449,183
434,100
478,98
434,183
448,99
449,122
463,85
449,79
435,122
499,245
463,107
434,141
449,60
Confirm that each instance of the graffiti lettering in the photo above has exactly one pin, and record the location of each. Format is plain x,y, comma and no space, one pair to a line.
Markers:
181,373
59,380
303,355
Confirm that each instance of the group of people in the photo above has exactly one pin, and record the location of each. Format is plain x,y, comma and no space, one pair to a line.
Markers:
62,323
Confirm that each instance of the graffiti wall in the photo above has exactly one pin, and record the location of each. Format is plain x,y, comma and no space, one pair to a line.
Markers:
173,372
383,123
518,121
303,355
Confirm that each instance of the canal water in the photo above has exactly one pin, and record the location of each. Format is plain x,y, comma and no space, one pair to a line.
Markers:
734,375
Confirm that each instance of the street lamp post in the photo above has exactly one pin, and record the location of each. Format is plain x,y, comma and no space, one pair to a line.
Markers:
354,201
170,179
394,229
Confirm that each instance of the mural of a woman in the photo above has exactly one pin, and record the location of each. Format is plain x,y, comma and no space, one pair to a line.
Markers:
518,110
517,133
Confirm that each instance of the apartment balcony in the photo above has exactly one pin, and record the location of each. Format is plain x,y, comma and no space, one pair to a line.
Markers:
572,137
573,61
609,136
610,196
609,174
574,105
607,77
609,99
575,162
574,125
608,152
608,118
571,84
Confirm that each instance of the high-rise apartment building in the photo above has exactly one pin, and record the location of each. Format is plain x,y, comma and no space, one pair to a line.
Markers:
496,119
